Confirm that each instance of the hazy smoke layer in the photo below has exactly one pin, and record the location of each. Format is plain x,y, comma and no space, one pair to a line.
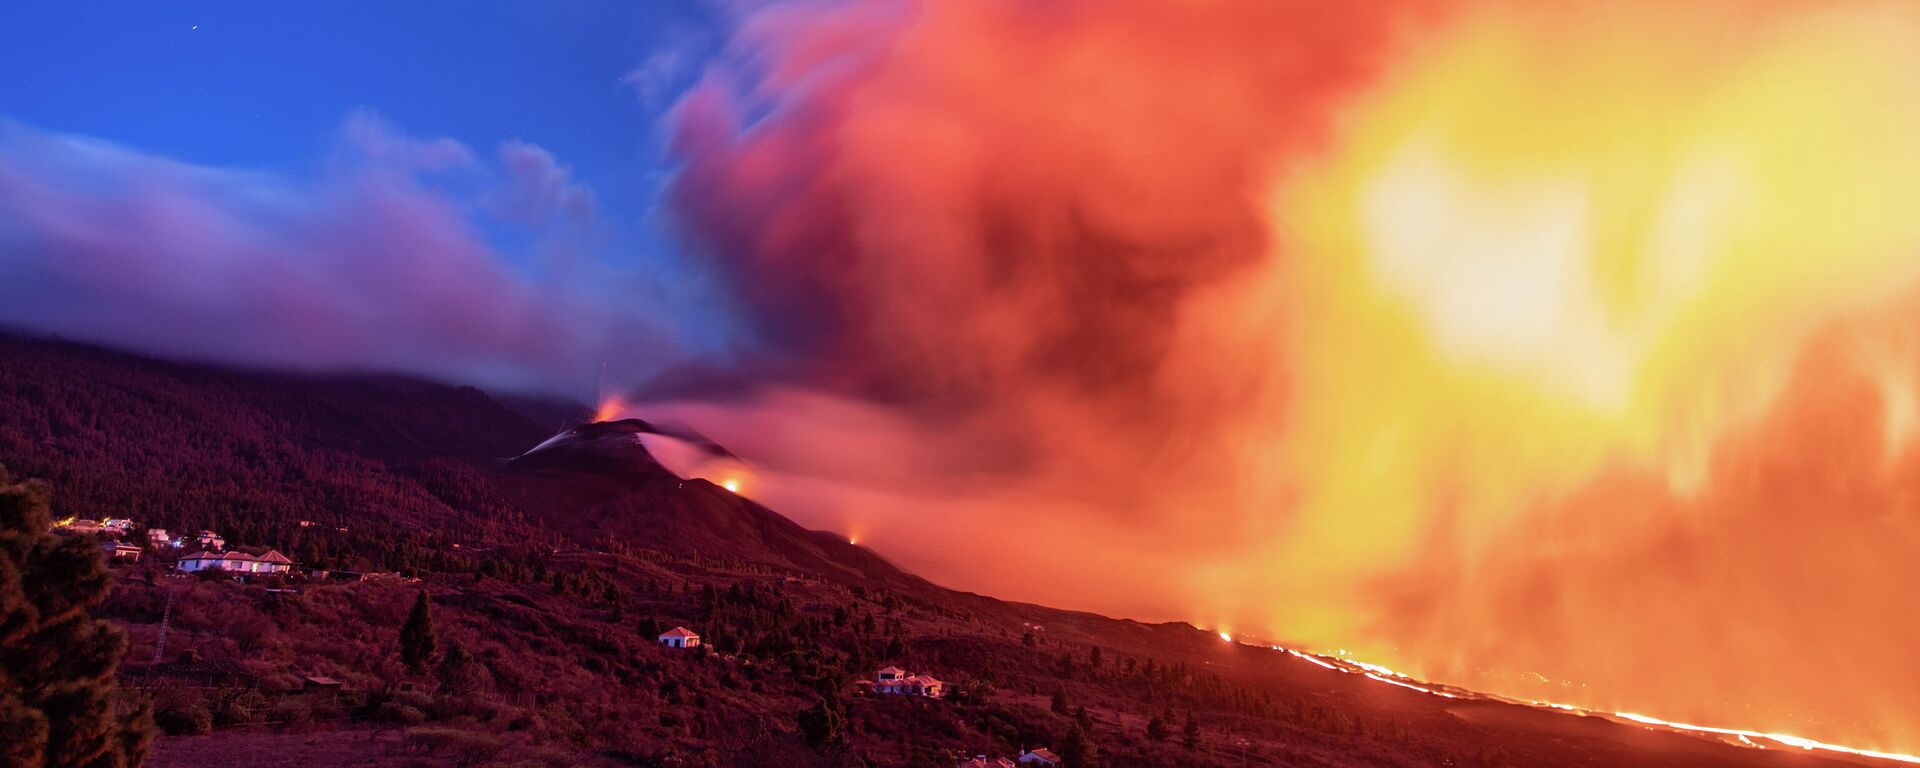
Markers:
381,263
1564,351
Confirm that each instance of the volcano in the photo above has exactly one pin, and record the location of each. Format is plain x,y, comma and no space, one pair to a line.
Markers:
599,479
540,550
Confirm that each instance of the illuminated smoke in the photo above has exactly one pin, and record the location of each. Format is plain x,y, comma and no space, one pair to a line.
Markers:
1567,352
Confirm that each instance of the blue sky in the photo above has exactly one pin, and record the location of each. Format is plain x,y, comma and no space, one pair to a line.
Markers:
238,168
265,85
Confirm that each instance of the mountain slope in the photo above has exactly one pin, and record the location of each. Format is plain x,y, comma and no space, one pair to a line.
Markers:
541,550
599,479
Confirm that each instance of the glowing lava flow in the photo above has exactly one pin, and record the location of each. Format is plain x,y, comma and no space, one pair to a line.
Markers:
1782,738
1381,674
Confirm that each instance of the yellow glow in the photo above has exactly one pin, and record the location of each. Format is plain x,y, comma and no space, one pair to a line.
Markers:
1545,249
731,484
1566,289
1382,674
1226,637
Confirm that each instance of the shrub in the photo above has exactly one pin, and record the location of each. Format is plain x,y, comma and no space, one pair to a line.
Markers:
289,710
187,720
402,714
464,747
241,710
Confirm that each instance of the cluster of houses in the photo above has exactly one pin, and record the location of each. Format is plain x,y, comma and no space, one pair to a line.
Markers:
113,533
211,554
1036,758
894,681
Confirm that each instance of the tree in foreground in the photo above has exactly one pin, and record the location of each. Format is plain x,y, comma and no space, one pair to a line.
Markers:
417,643
59,707
1191,736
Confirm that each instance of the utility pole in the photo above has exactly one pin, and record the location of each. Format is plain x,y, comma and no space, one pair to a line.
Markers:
166,618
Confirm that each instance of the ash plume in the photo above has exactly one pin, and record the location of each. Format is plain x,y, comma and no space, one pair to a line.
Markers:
1497,341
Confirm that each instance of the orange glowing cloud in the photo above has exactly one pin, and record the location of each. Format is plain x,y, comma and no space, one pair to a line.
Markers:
1562,350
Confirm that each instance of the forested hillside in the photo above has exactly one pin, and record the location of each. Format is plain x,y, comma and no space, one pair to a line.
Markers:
547,582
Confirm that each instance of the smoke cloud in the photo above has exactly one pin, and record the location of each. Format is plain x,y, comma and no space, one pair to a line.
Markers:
1558,351
1566,350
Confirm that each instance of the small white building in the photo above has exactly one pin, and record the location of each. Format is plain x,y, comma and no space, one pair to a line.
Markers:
235,562
212,540
1040,758
118,526
158,537
679,637
120,550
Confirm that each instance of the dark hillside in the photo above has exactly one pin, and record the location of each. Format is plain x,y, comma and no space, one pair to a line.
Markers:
552,572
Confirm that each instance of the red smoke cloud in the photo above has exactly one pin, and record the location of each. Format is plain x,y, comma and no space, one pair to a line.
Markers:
945,202
1023,299
970,233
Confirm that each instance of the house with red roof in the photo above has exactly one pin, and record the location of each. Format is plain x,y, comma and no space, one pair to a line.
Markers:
679,637
235,562
1040,758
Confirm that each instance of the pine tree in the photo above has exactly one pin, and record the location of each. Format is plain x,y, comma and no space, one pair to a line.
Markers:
1079,751
1157,728
1191,737
461,673
57,697
1060,701
417,643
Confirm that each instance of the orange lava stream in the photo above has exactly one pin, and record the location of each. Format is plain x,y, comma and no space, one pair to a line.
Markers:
1381,674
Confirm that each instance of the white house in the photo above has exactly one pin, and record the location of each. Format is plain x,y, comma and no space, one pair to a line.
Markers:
120,550
1040,758
116,525
212,540
193,562
235,562
679,637
158,537
899,682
